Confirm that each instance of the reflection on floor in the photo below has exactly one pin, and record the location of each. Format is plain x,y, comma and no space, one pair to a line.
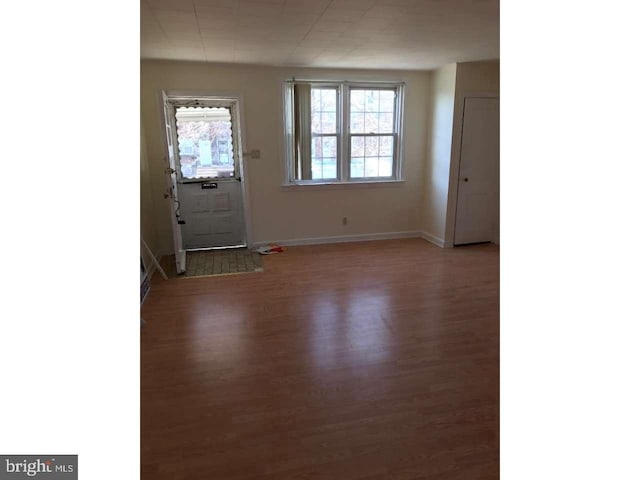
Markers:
372,360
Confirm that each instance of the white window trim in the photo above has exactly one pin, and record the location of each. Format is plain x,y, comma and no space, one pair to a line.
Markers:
344,133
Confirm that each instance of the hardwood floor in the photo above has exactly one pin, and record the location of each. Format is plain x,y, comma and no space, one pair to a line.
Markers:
373,360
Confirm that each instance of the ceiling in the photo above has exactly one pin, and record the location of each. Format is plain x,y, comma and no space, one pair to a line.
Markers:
377,34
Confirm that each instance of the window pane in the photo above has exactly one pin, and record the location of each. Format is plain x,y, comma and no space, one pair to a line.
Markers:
316,169
372,156
323,168
316,147
386,123
328,122
329,169
357,146
371,147
387,101
329,147
379,108
357,101
316,121
357,167
378,166
316,99
329,99
371,167
357,122
386,146
371,123
205,142
372,101
323,110
324,152
385,166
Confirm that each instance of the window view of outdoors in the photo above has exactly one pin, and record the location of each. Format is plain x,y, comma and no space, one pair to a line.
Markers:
371,127
205,142
324,133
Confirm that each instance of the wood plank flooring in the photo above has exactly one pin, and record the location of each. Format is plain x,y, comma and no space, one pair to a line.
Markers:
373,360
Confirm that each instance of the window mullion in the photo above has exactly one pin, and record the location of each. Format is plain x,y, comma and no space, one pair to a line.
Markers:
344,134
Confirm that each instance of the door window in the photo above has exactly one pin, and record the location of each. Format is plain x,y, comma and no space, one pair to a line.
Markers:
205,142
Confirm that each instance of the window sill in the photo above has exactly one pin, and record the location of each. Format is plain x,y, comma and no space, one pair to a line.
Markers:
341,185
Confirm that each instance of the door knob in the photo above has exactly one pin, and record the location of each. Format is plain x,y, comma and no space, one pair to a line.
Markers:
466,179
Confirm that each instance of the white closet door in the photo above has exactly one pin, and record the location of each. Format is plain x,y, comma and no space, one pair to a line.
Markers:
477,211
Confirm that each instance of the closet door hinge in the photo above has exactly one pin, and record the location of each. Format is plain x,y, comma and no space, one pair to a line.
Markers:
169,171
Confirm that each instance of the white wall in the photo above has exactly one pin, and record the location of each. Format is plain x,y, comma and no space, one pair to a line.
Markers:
436,180
281,213
147,226
472,79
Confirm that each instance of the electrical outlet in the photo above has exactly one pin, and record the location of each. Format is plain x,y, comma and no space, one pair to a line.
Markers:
344,220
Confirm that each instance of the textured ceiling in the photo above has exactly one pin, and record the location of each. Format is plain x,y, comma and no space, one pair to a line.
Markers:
380,34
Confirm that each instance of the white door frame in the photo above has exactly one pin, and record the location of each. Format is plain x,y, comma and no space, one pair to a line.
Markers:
456,158
170,175
237,104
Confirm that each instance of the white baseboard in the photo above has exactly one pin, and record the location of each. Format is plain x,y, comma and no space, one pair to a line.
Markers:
436,240
349,238
340,239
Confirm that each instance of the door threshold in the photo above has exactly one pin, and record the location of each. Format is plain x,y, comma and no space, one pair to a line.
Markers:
204,249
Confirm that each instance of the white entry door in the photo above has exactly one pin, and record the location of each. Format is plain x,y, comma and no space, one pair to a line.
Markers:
209,189
477,211
213,216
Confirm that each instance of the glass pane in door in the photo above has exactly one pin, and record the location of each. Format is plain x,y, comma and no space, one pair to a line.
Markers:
205,142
